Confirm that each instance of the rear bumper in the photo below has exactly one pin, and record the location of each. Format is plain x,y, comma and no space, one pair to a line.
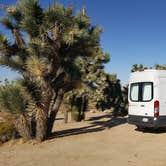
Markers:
147,121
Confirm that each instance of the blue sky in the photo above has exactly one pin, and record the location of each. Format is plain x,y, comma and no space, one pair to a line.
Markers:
134,32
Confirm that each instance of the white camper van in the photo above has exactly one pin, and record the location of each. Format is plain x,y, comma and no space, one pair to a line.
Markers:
147,98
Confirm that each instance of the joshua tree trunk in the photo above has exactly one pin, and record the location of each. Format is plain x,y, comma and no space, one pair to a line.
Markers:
23,126
65,116
42,113
41,124
54,110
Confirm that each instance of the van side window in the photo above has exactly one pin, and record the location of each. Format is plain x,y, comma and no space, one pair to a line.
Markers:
134,92
141,91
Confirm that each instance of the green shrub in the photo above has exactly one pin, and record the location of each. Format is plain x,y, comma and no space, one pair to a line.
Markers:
76,115
11,98
7,131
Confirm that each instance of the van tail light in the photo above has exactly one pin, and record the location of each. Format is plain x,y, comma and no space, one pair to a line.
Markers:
156,108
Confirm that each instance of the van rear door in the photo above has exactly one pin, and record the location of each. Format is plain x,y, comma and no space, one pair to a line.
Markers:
140,99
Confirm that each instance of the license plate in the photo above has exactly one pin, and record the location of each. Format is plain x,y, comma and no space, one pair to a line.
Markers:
145,119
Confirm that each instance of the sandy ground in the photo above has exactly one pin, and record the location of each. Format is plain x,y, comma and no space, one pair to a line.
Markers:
99,141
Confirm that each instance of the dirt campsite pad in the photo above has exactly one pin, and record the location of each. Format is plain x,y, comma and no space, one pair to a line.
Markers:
100,140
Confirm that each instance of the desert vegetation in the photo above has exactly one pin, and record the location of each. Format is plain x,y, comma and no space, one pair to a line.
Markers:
140,67
60,60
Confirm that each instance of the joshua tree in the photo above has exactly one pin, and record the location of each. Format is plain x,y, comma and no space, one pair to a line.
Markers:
138,67
45,47
160,67
93,80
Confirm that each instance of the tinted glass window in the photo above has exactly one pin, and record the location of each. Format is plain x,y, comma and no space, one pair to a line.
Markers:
134,92
146,91
142,91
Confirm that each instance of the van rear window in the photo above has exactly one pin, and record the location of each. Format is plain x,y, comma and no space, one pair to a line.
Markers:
142,91
134,92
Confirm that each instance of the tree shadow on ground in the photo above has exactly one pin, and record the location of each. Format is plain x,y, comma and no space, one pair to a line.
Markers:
96,125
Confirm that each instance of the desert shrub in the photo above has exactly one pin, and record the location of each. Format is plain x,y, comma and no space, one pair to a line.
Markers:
11,98
79,105
77,115
124,103
7,131
14,100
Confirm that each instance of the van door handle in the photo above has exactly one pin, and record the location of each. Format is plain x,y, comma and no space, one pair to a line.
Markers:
142,105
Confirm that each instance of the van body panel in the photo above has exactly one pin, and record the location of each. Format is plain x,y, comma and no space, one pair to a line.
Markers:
162,95
142,112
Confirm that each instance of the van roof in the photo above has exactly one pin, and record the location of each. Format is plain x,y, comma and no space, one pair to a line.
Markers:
151,70
147,75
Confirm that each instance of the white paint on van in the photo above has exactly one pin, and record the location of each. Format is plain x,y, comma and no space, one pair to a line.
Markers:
158,78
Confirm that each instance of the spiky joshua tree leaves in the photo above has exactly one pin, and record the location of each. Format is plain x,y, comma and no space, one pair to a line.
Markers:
44,48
